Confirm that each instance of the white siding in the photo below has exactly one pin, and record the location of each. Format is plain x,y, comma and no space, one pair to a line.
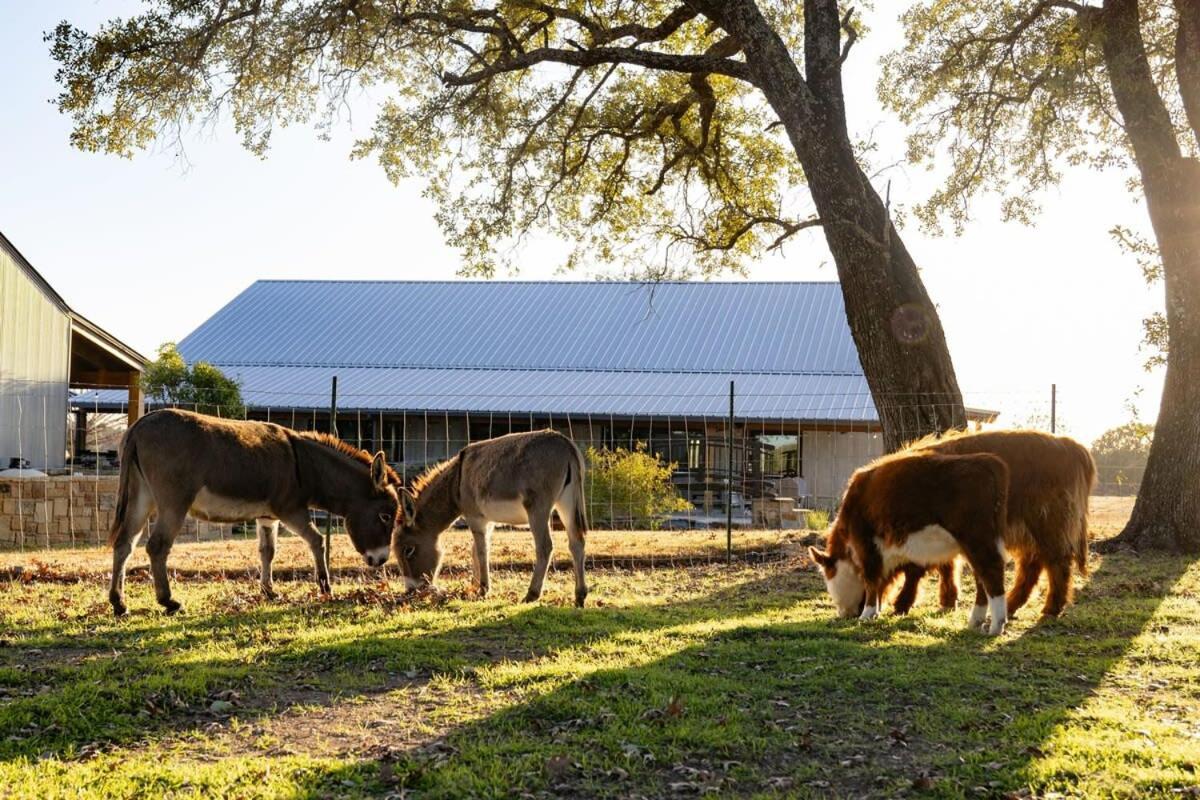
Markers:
35,355
829,457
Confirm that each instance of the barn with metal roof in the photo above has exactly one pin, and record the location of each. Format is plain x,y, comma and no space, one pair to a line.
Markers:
423,367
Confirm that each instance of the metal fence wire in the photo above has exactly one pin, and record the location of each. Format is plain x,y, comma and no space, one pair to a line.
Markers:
687,488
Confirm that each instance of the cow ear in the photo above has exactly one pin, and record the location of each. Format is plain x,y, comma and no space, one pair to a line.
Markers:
410,508
819,558
379,470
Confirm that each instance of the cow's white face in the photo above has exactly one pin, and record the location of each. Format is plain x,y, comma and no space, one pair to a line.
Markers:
845,586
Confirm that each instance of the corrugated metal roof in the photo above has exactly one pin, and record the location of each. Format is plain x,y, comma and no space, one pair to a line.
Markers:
780,328
564,347
814,398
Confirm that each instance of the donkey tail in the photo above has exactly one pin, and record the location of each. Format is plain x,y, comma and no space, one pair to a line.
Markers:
126,486
576,473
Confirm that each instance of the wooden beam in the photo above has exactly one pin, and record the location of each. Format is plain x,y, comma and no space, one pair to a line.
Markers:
102,378
135,397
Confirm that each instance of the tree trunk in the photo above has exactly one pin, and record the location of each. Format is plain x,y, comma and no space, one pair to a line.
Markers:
1166,515
896,328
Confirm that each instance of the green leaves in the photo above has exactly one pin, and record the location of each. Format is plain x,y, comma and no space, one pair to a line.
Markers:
1012,91
613,126
630,487
202,387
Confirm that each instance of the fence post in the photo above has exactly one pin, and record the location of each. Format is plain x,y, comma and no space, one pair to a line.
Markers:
333,432
1053,407
729,484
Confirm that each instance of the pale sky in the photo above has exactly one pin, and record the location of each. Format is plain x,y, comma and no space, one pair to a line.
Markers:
151,247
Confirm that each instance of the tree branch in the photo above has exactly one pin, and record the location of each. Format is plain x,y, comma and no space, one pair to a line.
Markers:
1187,61
851,36
649,59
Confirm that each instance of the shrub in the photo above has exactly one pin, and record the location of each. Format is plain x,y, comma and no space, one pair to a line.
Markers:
169,381
1120,455
816,520
630,488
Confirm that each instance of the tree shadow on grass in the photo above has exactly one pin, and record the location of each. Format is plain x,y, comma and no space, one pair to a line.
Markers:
149,676
810,707
766,702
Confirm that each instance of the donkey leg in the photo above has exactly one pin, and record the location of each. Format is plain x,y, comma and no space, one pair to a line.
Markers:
577,541
268,531
127,539
539,523
302,526
162,536
481,530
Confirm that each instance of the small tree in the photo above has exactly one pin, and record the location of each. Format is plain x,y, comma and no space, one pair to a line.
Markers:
202,387
630,487
1120,455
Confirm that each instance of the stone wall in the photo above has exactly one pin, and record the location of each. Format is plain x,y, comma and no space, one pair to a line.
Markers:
68,510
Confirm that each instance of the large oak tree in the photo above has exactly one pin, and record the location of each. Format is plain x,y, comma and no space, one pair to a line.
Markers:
1012,90
670,134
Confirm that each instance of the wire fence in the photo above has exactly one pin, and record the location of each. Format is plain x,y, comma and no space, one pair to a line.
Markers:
689,478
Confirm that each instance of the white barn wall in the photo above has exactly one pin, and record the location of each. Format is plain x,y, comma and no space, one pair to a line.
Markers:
35,357
829,458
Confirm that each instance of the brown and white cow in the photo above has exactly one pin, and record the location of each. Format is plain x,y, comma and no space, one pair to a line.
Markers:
1050,478
920,508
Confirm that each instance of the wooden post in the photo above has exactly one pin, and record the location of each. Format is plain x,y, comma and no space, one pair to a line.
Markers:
81,416
729,485
135,397
1054,408
332,432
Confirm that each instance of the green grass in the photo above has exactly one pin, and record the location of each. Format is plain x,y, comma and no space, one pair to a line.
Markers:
677,682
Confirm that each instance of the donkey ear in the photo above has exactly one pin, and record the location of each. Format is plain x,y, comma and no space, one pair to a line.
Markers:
379,470
410,508
819,558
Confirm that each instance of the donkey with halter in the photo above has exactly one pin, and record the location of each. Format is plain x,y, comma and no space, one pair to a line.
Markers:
176,462
515,479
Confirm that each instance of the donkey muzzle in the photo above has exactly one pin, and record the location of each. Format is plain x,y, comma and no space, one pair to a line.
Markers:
377,557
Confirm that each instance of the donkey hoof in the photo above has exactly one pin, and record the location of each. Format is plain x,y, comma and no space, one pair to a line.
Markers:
170,606
270,593
120,611
580,597
532,596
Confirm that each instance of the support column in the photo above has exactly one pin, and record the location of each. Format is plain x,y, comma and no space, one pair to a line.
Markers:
135,397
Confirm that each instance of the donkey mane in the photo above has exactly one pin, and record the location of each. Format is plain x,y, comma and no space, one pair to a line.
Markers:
427,477
362,456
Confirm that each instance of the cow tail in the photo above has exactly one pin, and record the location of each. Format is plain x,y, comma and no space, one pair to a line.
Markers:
125,486
1083,490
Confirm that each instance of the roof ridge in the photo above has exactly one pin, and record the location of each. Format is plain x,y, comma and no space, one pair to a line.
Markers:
542,282
502,368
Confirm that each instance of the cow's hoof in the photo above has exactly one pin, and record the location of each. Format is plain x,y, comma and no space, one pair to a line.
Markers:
120,611
580,597
532,597
270,593
171,607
